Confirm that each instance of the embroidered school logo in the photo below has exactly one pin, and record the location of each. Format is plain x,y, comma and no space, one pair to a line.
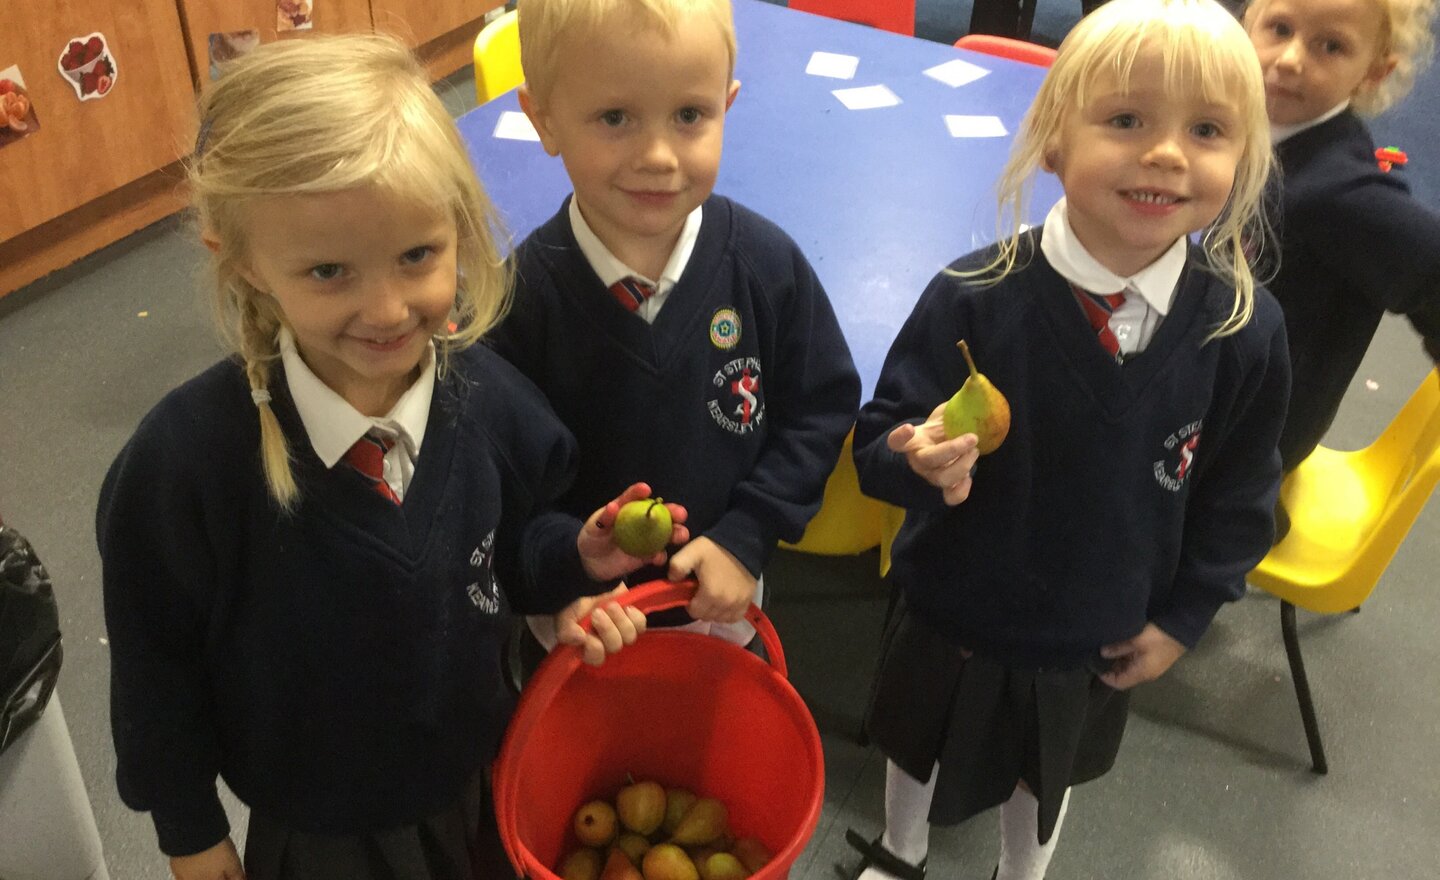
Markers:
736,403
483,593
725,329
1171,471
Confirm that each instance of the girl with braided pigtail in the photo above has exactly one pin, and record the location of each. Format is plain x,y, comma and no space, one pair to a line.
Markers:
312,551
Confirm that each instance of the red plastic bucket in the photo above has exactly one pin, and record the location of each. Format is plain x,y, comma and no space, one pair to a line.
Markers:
683,709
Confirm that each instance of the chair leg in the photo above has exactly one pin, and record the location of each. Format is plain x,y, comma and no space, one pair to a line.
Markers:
1027,19
1302,688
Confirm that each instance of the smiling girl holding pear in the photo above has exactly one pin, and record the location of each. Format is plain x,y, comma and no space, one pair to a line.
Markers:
1147,379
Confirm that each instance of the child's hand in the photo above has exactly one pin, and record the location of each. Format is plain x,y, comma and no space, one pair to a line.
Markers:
1141,659
944,464
612,627
219,862
726,587
604,561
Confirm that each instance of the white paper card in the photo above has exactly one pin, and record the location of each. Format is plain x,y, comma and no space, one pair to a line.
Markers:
832,65
956,73
867,97
515,126
975,126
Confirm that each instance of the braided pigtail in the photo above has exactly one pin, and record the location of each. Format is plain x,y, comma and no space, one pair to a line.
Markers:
259,349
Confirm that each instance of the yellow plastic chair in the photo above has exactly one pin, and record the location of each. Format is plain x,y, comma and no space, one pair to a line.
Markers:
1349,512
848,522
497,58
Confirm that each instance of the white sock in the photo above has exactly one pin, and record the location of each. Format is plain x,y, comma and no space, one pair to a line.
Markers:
907,817
1021,855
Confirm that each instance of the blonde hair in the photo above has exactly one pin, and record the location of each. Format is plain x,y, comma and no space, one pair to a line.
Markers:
320,115
1200,43
1405,36
545,24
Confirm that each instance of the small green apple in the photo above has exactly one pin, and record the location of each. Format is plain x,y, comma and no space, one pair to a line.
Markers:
643,527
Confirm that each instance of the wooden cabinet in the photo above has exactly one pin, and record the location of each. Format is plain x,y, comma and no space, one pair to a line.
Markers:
96,170
206,17
424,22
441,31
82,150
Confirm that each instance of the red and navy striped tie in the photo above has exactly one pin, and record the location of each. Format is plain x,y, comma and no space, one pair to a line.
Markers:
1098,307
367,458
630,292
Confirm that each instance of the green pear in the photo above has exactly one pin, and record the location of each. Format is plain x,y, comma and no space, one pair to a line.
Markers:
751,853
642,528
583,864
641,806
633,845
703,823
595,823
677,803
978,408
721,866
666,861
619,867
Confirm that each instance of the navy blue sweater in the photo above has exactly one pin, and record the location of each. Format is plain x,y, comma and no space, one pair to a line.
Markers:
340,666
1123,494
1354,245
734,403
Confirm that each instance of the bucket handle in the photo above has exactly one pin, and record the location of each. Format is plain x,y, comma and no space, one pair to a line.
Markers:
663,595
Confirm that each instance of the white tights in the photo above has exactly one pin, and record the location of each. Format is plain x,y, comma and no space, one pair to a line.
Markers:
1021,856
907,827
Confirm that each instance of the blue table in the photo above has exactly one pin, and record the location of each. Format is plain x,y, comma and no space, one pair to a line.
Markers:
878,199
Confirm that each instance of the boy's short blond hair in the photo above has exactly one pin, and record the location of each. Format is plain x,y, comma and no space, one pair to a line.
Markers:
1405,36
545,26
1201,45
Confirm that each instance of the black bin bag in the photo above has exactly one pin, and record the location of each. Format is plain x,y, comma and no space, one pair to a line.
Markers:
29,636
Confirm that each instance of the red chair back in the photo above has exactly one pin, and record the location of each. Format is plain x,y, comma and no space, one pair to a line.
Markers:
890,15
1005,47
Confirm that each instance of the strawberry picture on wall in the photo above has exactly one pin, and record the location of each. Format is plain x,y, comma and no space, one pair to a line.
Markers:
89,67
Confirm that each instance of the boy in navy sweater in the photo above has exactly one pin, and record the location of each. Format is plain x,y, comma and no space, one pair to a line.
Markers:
1353,243
683,339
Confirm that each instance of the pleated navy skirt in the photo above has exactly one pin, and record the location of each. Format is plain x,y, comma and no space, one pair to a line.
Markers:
988,725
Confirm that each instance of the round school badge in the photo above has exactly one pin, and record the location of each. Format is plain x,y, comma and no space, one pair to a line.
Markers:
725,329
1174,467
736,402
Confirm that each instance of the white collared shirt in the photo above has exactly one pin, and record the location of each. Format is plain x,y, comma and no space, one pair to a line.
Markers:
1134,323
333,425
1279,133
611,269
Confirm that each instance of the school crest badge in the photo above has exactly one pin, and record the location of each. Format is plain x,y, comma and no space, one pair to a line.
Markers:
483,592
737,402
1172,469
